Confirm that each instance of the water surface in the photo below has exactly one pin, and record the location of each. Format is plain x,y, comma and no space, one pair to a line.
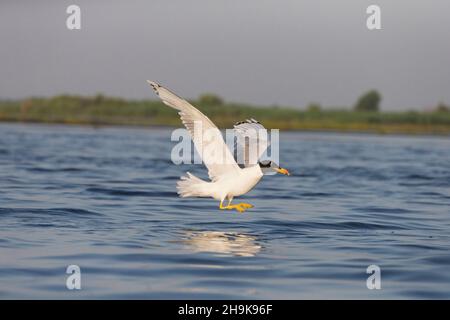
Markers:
104,199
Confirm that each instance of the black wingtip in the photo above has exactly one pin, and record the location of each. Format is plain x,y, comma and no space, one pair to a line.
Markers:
154,85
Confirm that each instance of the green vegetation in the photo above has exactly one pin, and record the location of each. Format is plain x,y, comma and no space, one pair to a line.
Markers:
314,107
101,110
442,108
368,102
209,99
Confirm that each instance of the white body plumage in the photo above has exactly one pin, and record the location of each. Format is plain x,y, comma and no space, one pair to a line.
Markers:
226,186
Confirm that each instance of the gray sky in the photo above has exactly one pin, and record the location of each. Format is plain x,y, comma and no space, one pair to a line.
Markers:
255,51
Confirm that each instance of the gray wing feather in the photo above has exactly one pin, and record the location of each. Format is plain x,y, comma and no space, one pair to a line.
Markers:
251,141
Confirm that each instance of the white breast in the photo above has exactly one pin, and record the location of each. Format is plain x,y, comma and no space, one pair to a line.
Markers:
235,183
247,179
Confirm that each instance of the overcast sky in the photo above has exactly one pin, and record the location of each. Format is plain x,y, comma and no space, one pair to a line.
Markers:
256,51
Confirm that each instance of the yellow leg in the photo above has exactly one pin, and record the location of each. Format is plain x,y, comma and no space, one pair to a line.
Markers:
221,205
241,207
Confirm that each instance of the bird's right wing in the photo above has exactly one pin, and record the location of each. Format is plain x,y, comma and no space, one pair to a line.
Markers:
208,139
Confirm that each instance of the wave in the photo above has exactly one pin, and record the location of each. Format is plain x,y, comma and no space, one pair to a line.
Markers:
131,193
41,212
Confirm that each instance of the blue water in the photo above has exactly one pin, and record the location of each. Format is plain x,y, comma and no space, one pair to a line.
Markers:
104,199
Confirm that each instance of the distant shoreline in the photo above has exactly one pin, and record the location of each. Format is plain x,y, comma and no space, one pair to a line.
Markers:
156,127
100,111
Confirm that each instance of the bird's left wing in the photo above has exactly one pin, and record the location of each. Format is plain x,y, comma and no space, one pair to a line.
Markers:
251,142
208,139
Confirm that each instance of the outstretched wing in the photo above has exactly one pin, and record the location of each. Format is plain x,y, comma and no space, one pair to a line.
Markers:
207,137
251,142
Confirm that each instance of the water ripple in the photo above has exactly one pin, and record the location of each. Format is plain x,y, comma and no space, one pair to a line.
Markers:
108,204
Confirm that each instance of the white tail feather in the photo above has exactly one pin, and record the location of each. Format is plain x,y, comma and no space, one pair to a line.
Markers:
191,186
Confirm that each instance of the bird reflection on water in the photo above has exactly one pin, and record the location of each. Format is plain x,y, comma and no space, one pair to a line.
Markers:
228,243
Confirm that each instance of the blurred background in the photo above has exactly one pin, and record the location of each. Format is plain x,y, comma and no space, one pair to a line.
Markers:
314,60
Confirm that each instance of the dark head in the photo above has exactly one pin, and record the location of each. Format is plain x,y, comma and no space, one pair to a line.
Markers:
268,166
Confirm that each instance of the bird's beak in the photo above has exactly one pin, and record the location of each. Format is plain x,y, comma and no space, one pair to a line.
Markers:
283,171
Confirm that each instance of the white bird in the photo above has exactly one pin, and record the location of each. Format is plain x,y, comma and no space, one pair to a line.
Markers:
228,180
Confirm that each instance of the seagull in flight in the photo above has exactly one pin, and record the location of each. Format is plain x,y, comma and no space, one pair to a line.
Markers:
228,179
